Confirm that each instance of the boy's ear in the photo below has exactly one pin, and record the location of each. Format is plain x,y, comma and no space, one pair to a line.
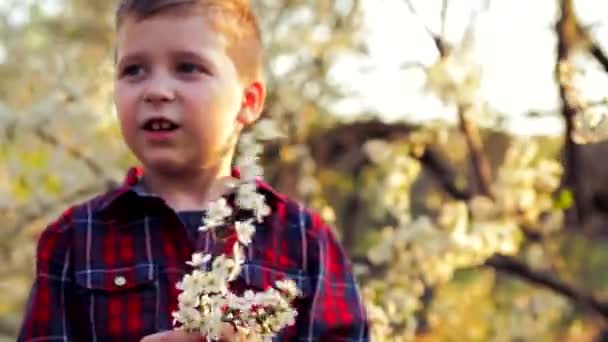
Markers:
254,96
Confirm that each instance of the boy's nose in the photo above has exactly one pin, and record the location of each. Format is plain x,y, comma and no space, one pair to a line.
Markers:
159,92
159,96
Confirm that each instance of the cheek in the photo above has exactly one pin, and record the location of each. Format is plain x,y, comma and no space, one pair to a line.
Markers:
200,110
196,97
125,101
208,100
209,110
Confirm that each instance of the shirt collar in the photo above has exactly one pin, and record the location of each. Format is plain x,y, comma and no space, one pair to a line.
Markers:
132,185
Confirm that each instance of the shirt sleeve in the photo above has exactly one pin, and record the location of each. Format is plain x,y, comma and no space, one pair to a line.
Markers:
46,317
336,310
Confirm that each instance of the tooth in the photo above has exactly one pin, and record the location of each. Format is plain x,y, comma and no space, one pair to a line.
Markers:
156,126
165,125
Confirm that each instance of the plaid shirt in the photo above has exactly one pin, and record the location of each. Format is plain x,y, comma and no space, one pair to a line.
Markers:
106,270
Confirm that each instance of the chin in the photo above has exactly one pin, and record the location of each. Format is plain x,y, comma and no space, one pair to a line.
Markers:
165,165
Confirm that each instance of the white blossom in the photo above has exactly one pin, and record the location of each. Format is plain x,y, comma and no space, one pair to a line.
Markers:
247,198
288,286
250,172
205,303
246,140
217,211
423,251
244,231
199,259
377,150
251,200
249,152
189,298
246,161
267,129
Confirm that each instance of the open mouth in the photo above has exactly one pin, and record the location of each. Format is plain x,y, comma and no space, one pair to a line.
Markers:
159,125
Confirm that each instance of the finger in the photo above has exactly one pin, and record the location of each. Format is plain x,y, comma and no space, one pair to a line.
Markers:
173,336
228,333
183,336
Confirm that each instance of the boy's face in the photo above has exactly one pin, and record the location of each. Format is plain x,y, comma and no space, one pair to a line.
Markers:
177,69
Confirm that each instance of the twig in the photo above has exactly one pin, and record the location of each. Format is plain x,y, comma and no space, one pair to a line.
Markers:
329,147
597,52
479,162
443,172
517,268
437,39
73,151
357,133
514,267
569,35
444,16
26,218
333,147
481,165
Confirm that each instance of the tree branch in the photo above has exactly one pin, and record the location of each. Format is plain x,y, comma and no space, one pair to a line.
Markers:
481,165
600,56
341,145
569,34
442,171
512,266
437,38
91,164
354,135
479,162
73,151
27,217
444,17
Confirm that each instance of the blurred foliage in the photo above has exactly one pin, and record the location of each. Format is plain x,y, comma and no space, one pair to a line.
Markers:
420,252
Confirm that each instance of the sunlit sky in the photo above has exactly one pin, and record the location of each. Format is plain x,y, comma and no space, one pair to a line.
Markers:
514,44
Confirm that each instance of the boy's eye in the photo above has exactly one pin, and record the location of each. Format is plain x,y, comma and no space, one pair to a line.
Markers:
189,68
132,70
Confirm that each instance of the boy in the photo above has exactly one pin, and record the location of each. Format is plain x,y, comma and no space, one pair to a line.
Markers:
188,78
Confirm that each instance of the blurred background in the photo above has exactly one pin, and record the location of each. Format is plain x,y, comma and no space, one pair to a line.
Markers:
455,146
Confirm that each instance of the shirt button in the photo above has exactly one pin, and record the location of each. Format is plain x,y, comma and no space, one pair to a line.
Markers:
120,281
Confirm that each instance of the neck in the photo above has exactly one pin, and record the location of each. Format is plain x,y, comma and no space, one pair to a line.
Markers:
186,191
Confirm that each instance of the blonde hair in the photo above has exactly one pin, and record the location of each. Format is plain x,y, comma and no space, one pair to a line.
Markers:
232,18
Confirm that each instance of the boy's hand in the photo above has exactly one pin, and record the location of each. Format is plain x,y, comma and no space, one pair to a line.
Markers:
173,336
228,335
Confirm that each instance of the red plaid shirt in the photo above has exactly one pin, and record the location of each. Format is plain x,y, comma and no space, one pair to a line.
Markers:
106,270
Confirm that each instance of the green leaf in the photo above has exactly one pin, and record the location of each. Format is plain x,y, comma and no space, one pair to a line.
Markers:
564,199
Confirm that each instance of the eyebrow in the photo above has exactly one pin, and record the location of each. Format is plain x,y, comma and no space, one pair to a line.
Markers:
179,54
127,59
187,55
192,55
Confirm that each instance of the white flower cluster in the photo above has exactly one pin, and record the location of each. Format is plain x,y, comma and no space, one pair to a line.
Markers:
591,118
524,189
424,252
206,304
455,79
